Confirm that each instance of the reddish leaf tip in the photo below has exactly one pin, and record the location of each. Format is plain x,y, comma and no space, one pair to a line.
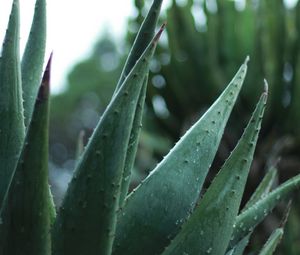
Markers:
158,34
44,90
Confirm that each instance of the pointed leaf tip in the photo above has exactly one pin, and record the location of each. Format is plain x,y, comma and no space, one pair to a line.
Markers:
165,181
158,34
44,90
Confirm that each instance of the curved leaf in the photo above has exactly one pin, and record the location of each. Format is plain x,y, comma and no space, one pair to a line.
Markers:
153,213
240,247
142,40
209,228
28,210
33,59
86,221
272,242
12,130
133,143
263,188
249,219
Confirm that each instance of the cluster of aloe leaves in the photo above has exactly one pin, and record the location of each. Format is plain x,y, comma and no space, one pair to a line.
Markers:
163,214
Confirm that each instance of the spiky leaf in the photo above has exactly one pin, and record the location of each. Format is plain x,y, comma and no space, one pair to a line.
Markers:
142,39
213,219
249,219
272,242
154,212
33,59
28,210
86,221
240,247
263,188
133,143
12,130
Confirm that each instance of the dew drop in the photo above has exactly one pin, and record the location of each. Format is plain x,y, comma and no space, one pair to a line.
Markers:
208,251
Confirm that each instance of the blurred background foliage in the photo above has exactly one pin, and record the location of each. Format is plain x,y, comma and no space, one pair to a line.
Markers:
205,43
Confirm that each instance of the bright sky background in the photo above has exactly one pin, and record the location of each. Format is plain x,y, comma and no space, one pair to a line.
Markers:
73,28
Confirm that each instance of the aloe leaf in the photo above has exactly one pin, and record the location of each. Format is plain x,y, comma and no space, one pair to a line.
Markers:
142,39
133,143
249,219
153,213
12,130
240,247
261,191
33,59
263,188
27,208
209,228
86,221
272,242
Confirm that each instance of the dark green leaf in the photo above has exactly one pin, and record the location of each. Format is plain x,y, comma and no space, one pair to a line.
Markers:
240,247
133,143
12,130
154,212
250,218
28,211
263,188
142,40
33,59
272,242
86,221
209,228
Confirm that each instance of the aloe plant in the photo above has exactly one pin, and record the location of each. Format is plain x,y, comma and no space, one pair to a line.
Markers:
98,216
205,45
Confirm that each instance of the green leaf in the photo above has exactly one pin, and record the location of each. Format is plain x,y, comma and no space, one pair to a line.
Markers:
261,191
215,215
26,213
143,38
263,188
12,130
133,143
272,242
240,247
86,221
153,213
249,219
33,59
